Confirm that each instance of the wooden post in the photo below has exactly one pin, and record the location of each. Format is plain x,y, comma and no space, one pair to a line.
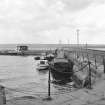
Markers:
49,82
83,56
95,63
2,95
48,98
75,55
104,63
89,75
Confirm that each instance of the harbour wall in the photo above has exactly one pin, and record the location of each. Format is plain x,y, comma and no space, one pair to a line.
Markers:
28,52
72,50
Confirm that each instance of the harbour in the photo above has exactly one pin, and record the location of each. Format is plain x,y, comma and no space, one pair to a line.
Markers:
20,77
18,74
52,52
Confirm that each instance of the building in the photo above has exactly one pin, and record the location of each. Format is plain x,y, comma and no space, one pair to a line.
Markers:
22,48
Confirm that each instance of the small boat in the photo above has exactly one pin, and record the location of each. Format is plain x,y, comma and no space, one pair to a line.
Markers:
37,58
42,65
61,69
40,58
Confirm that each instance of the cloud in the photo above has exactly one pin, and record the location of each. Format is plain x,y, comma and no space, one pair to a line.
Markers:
75,5
46,21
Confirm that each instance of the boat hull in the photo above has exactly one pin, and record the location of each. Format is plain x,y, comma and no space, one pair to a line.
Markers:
61,69
57,75
42,67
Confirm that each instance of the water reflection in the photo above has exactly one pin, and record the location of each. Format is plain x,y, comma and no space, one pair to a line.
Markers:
42,72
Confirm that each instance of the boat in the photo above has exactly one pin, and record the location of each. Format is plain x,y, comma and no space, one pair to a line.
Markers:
40,58
37,58
42,64
61,69
50,57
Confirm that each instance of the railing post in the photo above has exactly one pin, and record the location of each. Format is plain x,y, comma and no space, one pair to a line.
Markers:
104,63
83,56
48,98
89,75
95,63
49,84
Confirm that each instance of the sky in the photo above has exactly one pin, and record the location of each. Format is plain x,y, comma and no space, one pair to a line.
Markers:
51,21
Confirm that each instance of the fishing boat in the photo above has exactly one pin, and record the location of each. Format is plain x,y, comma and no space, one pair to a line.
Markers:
42,64
61,69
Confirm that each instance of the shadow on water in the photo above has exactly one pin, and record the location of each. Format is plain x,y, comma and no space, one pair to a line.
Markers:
61,82
42,72
58,80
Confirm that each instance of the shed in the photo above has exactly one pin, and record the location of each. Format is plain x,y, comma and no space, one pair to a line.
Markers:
22,48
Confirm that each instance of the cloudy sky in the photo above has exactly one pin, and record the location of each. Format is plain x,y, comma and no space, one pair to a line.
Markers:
48,21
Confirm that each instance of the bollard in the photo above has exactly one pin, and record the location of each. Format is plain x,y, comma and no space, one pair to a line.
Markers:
2,95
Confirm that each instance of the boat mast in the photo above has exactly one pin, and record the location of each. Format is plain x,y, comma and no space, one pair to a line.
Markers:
77,41
68,42
78,37
60,44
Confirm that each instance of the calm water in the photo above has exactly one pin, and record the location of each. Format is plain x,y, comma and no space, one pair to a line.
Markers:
17,72
19,75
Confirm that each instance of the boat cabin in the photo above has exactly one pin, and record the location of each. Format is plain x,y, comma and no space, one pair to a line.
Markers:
43,62
42,65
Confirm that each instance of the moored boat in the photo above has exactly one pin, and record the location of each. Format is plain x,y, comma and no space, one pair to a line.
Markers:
50,57
40,58
37,58
42,65
61,69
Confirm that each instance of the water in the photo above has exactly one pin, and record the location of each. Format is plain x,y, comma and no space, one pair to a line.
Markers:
101,49
17,72
19,75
